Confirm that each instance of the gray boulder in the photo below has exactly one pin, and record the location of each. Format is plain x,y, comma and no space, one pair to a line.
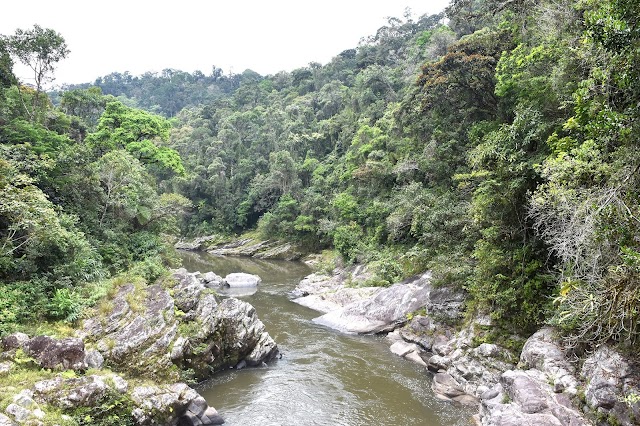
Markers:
196,244
333,300
261,249
24,409
14,341
612,385
6,421
409,351
71,393
241,280
175,404
6,367
525,398
543,351
57,354
211,280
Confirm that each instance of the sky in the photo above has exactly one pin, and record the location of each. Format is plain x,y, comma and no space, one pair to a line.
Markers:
234,35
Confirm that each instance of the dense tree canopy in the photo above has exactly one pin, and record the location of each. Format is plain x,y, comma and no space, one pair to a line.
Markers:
498,150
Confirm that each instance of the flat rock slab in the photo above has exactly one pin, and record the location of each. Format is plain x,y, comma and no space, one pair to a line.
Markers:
381,313
333,300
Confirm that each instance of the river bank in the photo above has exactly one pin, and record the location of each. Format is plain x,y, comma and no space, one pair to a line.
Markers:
543,384
130,360
323,377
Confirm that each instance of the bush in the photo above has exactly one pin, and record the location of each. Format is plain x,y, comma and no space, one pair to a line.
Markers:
347,239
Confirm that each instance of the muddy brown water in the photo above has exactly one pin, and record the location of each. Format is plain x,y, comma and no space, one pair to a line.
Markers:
324,377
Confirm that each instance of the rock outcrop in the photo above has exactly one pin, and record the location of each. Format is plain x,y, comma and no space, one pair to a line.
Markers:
47,352
86,396
156,328
383,312
612,386
261,249
156,405
526,398
353,309
164,332
540,387
197,244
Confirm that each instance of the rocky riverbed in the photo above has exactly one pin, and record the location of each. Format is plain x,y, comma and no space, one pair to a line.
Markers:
132,357
543,385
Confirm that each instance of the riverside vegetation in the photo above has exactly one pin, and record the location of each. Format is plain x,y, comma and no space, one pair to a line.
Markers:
496,148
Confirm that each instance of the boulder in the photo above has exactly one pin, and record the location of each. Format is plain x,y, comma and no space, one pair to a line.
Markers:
446,386
543,351
241,280
245,335
87,391
261,249
24,409
175,404
211,280
410,351
525,398
14,341
283,251
93,359
317,284
242,247
423,331
612,385
333,300
6,367
196,244
57,354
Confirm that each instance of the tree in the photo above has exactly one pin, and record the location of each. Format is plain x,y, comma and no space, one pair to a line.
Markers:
138,132
39,49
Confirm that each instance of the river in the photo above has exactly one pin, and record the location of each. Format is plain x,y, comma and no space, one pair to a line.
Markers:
323,377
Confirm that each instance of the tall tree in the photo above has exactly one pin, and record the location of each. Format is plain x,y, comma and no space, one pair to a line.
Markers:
40,49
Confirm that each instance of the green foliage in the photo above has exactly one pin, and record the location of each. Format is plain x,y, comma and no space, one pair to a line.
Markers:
137,131
65,304
347,239
114,408
508,165
70,215
39,49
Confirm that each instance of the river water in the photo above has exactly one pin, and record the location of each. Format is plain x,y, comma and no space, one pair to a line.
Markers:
324,377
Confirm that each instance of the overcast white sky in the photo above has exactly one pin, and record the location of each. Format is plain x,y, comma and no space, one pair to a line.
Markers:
142,35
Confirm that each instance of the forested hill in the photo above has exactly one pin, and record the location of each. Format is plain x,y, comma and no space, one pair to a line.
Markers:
497,147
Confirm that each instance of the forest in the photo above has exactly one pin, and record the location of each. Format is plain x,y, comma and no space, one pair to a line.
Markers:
495,144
